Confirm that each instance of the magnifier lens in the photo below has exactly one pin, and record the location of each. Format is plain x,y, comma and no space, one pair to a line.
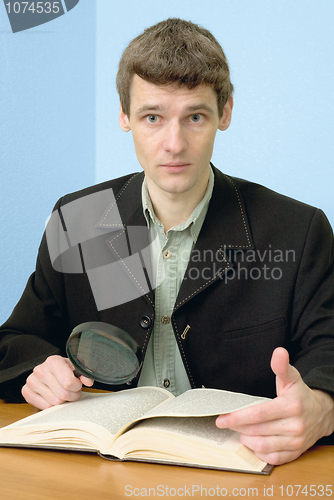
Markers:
104,353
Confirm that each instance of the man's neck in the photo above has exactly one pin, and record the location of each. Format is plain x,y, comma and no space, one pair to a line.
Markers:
173,209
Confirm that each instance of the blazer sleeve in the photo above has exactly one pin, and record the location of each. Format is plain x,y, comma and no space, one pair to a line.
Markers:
313,307
31,333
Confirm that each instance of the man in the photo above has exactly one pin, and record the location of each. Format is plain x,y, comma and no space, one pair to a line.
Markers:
248,273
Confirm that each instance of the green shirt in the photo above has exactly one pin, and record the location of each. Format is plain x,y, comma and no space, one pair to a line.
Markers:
163,365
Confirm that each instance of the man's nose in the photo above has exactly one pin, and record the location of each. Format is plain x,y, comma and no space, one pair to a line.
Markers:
174,140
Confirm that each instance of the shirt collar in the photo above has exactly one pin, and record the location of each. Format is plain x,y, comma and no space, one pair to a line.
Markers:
195,220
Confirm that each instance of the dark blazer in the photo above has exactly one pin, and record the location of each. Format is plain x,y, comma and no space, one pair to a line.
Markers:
260,276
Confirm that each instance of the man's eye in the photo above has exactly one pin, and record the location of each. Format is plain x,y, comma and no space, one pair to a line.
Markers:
152,118
196,117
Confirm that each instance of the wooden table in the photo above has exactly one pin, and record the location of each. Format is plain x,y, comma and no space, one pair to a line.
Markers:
47,475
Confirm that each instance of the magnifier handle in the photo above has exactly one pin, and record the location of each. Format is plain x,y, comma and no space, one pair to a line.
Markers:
77,373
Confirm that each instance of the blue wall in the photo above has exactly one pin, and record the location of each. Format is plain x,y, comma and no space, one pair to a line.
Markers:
47,132
281,59
59,108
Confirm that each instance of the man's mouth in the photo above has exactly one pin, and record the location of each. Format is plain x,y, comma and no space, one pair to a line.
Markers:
171,166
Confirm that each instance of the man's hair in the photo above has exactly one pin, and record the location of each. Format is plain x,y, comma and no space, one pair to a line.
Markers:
175,51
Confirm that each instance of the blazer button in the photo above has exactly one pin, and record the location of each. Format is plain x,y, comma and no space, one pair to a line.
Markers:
145,322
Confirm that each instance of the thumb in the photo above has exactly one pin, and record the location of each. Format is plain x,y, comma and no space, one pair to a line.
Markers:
286,375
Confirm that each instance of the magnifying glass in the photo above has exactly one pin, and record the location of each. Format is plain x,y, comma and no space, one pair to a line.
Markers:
104,353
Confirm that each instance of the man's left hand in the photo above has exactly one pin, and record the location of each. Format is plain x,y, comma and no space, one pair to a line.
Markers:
280,430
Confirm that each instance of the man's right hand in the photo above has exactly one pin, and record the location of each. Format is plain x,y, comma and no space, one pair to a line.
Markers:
53,382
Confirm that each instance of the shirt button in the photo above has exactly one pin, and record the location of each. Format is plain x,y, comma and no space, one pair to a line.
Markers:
167,254
166,382
165,320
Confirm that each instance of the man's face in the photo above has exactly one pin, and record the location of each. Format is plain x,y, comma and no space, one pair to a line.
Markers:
174,129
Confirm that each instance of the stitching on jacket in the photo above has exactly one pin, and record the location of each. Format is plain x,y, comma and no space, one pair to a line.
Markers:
220,249
133,277
184,356
242,215
205,284
112,205
146,338
117,235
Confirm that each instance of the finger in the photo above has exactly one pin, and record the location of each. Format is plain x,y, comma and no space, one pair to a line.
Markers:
54,382
262,413
63,371
271,444
42,397
34,398
286,375
88,382
286,427
48,389
279,457
274,450
56,374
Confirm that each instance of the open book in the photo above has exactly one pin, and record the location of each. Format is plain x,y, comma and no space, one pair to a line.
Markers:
144,424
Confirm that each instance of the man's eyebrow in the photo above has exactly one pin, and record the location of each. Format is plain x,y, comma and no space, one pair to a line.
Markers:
200,106
190,109
149,107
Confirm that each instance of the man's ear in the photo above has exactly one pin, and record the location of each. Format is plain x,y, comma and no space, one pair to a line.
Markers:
123,120
225,120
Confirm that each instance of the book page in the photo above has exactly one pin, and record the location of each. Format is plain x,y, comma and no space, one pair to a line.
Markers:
192,440
205,402
195,427
111,411
173,438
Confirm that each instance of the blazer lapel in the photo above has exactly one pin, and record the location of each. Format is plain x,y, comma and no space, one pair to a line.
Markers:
129,241
225,228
